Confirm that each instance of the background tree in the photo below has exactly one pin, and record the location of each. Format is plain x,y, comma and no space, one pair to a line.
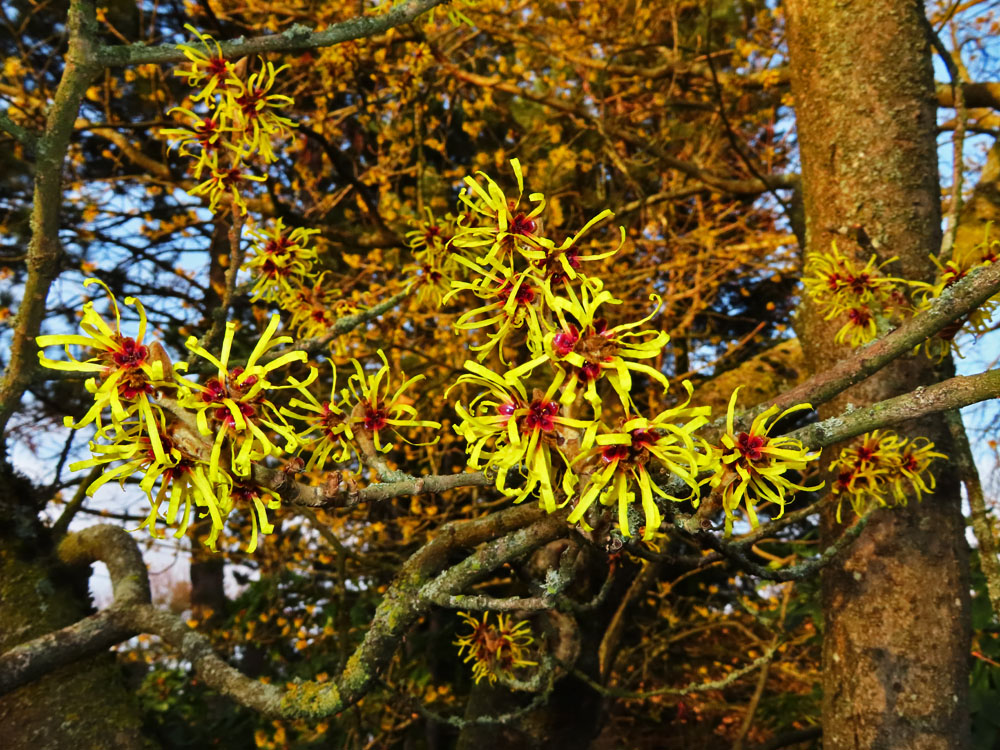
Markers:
676,117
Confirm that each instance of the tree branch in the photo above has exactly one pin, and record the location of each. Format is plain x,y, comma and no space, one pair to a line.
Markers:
953,393
295,39
20,134
955,303
44,249
520,529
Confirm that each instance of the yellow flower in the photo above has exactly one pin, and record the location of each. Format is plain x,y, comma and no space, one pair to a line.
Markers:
330,421
312,305
279,258
512,302
753,465
588,349
205,133
882,469
180,474
562,264
624,457
208,68
257,501
224,180
506,429
251,107
378,407
836,283
494,650
127,373
965,259
502,228
233,405
859,327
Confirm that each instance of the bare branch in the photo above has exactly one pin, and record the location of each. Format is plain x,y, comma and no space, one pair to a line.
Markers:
20,134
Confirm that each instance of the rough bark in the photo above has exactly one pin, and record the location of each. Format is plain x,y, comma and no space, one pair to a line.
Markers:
895,669
82,705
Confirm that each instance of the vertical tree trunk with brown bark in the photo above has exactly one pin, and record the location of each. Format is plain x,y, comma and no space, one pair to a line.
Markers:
896,606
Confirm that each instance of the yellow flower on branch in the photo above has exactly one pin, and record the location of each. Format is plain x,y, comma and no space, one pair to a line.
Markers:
379,408
563,264
625,458
513,301
507,430
224,180
256,501
233,406
858,295
126,372
837,283
752,465
209,68
859,327
494,650
330,421
882,469
205,133
589,349
253,110
280,257
502,228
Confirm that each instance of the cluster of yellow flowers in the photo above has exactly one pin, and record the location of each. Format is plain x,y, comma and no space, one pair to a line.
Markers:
862,296
868,300
882,469
283,267
563,425
241,118
495,650
196,442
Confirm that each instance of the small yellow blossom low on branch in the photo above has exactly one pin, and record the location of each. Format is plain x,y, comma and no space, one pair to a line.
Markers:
495,651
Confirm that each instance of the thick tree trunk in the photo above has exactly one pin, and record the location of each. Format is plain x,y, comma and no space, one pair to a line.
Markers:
83,705
895,659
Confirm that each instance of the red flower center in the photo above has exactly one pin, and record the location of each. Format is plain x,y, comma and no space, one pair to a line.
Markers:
614,453
248,102
859,316
217,67
226,417
541,415
375,418
232,176
131,354
750,446
564,341
522,225
590,371
867,454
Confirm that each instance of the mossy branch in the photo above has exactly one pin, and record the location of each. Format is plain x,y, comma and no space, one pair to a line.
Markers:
955,303
298,38
514,532
44,249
